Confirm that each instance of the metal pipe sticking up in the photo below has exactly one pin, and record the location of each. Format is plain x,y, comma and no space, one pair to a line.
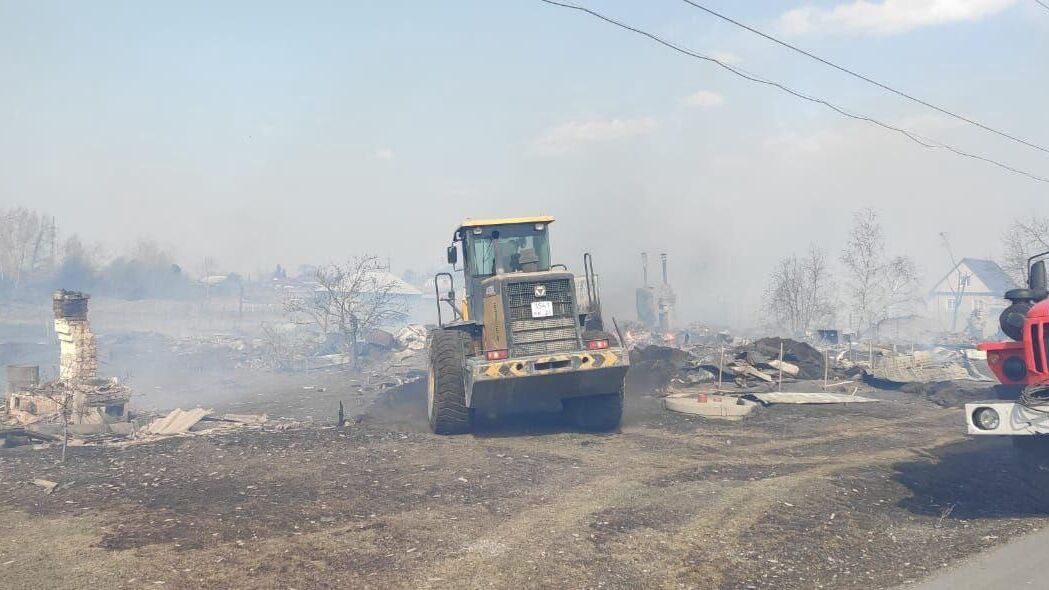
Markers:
644,267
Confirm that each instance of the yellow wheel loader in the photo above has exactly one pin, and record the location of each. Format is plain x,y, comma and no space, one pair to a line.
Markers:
526,334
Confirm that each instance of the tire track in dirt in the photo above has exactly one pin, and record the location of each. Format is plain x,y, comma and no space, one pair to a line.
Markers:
838,432
562,524
548,527
749,504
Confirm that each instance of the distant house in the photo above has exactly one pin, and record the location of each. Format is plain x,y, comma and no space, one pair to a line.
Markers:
969,298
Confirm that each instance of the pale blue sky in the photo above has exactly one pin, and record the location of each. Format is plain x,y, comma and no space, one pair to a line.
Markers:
265,132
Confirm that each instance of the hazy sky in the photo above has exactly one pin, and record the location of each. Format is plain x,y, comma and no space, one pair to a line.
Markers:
264,132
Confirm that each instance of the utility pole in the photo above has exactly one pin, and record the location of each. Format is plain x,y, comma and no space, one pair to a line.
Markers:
963,282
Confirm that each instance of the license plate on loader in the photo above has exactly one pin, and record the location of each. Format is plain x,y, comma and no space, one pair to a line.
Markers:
542,309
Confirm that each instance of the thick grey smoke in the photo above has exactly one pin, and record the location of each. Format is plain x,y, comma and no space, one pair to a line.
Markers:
281,138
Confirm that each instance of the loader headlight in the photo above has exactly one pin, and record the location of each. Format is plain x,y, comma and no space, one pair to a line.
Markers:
986,418
1015,368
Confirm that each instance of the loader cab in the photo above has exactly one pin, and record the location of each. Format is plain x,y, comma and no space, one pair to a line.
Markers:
499,247
505,249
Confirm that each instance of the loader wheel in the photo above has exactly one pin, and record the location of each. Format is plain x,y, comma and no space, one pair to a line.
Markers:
596,413
601,335
446,387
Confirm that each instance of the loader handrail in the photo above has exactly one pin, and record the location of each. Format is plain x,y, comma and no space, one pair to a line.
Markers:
592,295
450,300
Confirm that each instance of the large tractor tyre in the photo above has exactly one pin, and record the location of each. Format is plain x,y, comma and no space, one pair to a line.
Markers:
596,413
446,386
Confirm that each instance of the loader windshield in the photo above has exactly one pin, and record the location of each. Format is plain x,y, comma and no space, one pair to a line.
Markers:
511,248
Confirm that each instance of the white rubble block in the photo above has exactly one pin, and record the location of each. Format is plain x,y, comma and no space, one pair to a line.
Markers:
412,337
710,405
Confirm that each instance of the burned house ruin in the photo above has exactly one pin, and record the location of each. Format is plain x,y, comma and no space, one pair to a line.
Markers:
90,404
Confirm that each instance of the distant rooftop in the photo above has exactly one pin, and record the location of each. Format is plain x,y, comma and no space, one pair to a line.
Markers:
987,271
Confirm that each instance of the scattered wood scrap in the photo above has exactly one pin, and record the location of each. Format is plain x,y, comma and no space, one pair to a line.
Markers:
745,370
787,368
178,421
47,485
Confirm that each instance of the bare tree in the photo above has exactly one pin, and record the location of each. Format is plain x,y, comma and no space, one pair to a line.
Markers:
897,296
62,400
1024,238
879,288
26,239
349,300
800,294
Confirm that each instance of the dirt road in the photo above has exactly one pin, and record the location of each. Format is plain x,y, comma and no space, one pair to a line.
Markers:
1019,564
857,496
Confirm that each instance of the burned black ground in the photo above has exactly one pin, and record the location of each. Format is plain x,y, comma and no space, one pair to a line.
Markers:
847,496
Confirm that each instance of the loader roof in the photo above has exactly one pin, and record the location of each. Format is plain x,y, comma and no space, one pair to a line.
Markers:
506,221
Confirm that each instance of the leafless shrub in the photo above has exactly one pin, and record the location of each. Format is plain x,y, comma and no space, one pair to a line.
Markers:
349,300
944,513
800,295
1024,238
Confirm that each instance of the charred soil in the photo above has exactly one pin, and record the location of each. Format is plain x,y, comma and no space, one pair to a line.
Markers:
851,496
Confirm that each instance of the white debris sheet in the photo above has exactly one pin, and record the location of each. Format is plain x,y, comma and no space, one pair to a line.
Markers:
791,397
178,421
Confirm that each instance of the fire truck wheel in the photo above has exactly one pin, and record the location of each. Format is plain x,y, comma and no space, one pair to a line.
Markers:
446,386
596,413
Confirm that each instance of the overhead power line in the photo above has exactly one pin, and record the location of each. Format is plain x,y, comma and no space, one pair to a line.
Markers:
911,135
1042,4
868,79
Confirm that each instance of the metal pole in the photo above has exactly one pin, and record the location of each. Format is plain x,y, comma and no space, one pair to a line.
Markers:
826,367
721,366
781,365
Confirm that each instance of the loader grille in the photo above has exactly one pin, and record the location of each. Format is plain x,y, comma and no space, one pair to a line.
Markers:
1040,347
556,333
1045,347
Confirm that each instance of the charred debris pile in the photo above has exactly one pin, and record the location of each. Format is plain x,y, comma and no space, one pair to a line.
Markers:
80,407
705,364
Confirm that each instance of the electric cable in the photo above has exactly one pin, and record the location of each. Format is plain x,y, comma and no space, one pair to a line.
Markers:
869,80
911,135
